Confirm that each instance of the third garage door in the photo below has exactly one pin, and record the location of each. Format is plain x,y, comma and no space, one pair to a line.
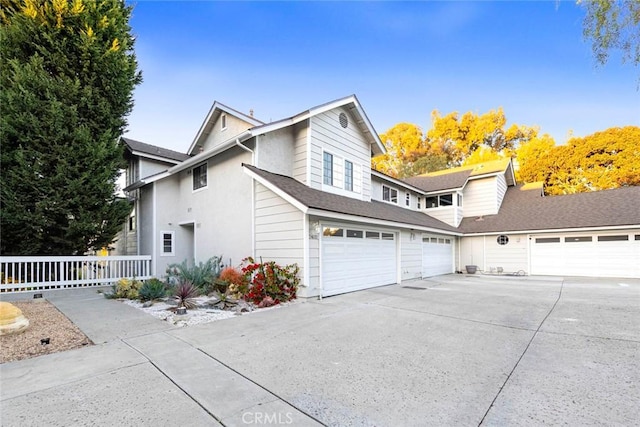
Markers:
357,258
437,255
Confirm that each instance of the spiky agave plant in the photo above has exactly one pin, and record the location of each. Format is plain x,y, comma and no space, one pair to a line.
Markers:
185,295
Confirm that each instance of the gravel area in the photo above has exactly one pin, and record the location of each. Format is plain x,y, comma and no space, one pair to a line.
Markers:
45,321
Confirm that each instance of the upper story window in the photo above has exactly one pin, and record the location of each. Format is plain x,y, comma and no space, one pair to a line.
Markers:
407,199
419,202
223,122
437,201
348,175
199,174
327,168
459,199
389,194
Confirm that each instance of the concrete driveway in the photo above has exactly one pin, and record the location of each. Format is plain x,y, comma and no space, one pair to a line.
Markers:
455,350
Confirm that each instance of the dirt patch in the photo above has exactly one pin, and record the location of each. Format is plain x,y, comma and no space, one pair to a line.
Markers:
45,321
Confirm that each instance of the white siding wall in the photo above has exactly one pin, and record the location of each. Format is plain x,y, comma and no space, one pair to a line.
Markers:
221,212
471,252
146,221
300,133
480,197
512,257
410,255
348,144
313,286
501,184
279,230
445,214
150,167
217,136
276,151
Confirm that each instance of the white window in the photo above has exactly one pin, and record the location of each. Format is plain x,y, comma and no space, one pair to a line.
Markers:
223,122
419,202
459,199
348,175
441,200
327,168
389,194
199,174
168,243
407,199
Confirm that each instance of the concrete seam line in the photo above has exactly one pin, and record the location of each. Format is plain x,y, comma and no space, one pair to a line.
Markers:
176,384
462,319
522,355
262,387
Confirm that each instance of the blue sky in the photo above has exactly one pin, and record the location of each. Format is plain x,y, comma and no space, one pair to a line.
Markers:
402,59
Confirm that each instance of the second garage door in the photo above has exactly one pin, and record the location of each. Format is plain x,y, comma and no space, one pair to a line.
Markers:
357,258
437,255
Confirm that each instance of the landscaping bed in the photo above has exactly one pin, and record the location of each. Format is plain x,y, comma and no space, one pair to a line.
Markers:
45,321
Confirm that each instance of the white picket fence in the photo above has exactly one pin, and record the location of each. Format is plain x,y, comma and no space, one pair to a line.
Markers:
40,273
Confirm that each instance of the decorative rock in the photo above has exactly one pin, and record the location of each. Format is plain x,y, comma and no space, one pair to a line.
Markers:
11,319
147,304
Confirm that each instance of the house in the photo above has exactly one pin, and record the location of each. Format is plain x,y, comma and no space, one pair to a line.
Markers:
301,190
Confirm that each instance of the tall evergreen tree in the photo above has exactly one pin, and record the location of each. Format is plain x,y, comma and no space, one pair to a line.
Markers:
67,74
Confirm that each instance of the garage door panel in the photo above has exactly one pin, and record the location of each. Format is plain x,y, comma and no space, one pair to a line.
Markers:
354,263
567,257
437,258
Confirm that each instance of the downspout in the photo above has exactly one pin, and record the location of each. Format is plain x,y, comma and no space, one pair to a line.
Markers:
253,196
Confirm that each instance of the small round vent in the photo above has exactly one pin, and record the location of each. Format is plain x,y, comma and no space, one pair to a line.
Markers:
344,120
503,240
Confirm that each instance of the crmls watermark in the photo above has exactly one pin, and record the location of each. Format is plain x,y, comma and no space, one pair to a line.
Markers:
267,418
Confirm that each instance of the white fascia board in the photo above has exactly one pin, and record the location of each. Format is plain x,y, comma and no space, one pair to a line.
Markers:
152,157
556,230
445,191
396,182
294,202
369,126
202,127
382,222
201,157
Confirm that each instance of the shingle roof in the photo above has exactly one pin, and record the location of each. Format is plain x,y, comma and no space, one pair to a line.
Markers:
523,210
440,182
448,179
321,200
154,150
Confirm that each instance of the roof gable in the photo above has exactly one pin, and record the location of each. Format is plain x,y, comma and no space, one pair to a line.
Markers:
351,103
217,109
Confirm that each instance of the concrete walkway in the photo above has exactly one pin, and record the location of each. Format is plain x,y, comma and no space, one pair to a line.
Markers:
452,351
136,374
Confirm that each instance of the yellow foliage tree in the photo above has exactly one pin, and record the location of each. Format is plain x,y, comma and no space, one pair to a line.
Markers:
408,152
462,135
603,160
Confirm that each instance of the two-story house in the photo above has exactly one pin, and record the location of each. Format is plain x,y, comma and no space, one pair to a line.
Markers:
302,190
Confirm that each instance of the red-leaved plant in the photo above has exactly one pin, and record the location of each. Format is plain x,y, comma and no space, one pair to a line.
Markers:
185,295
269,283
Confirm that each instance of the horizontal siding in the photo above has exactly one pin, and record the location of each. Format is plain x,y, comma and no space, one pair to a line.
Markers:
348,144
512,257
502,189
410,255
446,214
479,197
278,229
300,152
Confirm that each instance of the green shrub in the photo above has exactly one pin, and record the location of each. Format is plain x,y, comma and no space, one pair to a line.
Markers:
201,275
269,283
126,288
152,289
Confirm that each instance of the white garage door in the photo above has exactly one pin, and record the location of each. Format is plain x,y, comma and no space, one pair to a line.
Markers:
437,255
586,254
357,258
